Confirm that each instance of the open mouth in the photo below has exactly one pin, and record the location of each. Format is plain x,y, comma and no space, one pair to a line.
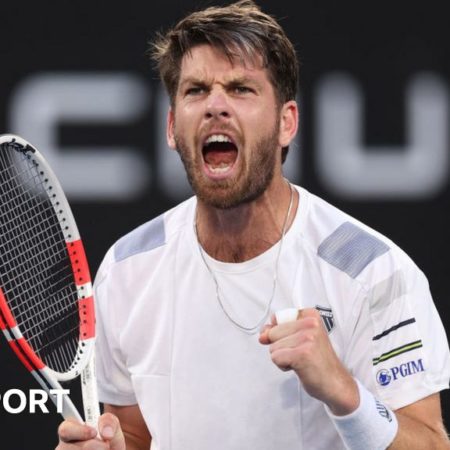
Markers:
219,154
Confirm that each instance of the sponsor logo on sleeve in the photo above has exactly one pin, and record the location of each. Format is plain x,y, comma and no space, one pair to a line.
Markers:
384,377
388,376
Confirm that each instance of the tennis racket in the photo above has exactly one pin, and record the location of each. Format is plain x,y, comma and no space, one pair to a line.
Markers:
46,302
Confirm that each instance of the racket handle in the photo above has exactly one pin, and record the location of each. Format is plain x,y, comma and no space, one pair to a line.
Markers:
69,410
286,315
89,392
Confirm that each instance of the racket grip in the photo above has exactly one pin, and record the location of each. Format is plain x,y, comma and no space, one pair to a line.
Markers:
69,410
89,392
286,315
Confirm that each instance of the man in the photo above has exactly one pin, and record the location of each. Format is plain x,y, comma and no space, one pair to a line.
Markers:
188,356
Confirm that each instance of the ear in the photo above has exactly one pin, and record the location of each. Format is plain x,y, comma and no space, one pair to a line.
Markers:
170,129
288,123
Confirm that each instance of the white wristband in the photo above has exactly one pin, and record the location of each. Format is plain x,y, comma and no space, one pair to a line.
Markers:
372,426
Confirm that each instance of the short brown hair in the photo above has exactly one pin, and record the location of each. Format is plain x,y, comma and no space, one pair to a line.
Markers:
240,30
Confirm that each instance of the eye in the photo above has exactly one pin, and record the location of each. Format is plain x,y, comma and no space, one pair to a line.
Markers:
241,89
195,90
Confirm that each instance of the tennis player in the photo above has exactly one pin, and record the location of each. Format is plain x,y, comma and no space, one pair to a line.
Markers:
200,308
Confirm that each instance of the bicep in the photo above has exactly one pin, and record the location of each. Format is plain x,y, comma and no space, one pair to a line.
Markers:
137,435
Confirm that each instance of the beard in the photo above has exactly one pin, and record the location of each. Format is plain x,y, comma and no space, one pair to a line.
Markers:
255,175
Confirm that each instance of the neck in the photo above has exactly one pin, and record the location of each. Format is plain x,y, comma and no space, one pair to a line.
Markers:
244,232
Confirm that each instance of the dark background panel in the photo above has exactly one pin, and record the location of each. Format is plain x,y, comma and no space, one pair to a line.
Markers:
381,45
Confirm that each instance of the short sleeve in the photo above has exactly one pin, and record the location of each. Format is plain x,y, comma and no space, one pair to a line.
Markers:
113,378
399,349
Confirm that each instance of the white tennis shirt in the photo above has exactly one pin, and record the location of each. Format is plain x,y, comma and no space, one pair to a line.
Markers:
202,383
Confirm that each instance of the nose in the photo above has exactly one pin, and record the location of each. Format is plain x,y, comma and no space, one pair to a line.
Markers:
217,106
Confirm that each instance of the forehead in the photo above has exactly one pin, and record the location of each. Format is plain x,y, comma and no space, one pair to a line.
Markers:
204,62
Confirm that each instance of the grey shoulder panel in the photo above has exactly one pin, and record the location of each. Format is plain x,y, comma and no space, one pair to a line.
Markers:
144,238
351,249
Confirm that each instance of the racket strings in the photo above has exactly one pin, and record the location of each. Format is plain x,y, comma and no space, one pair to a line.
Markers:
56,317
51,313
28,219
45,245
35,255
20,315
35,269
28,286
18,178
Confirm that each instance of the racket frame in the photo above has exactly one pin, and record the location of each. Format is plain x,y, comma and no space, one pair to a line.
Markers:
83,364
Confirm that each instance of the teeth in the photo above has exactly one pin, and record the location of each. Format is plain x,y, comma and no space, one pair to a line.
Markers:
218,138
222,168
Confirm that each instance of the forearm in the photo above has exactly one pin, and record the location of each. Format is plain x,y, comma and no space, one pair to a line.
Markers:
362,420
134,428
417,426
134,442
413,434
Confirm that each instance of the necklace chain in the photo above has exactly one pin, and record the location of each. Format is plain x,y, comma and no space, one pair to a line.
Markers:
257,326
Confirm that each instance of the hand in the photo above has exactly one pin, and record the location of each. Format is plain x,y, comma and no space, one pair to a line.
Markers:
74,435
303,345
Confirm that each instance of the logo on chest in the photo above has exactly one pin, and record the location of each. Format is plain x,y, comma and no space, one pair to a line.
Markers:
327,317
